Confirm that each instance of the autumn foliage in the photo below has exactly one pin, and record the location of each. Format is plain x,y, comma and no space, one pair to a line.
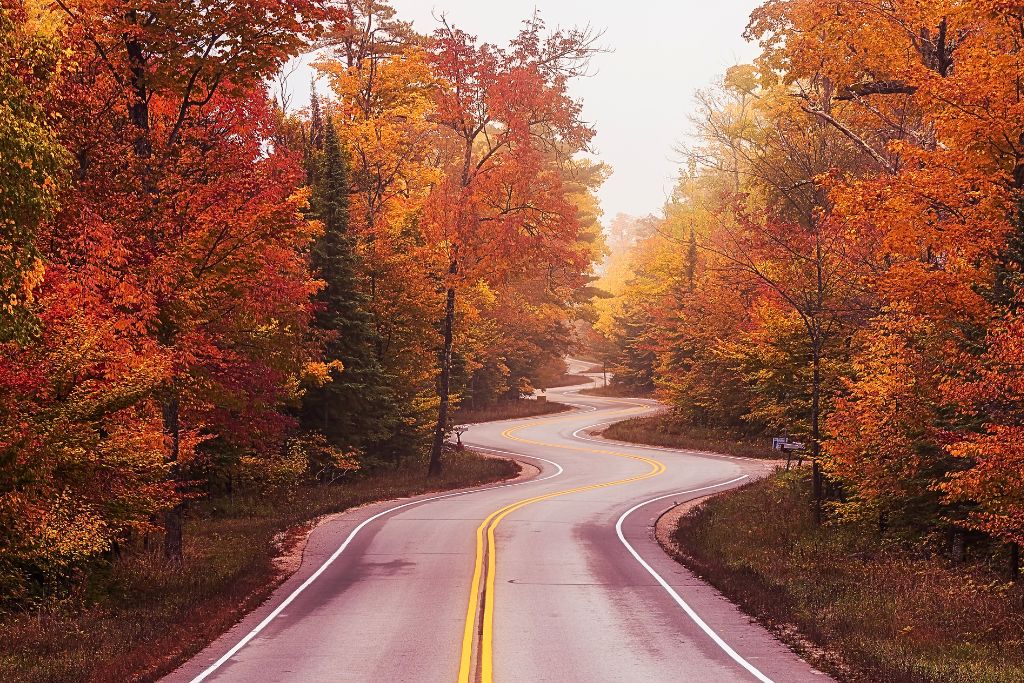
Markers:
205,291
841,261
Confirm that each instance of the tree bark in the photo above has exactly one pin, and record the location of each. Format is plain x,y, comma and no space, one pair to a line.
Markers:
444,382
1014,562
138,110
816,483
173,518
139,115
958,543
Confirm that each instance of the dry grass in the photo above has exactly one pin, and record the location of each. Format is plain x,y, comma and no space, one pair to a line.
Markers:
615,391
568,380
663,430
863,607
138,618
509,410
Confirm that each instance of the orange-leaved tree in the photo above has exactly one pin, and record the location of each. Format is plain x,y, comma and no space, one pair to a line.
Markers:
502,206
199,213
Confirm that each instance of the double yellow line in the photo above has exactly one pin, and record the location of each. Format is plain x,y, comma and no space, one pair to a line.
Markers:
484,569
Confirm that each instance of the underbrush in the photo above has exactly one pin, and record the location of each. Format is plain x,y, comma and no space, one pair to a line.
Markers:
138,617
866,608
663,430
508,410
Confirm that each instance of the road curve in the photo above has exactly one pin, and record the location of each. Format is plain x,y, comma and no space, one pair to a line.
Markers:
555,578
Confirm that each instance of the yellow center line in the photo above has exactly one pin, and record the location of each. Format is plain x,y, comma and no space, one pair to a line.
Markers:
485,571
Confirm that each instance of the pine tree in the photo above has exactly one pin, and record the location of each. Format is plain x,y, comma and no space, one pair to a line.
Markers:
353,410
313,140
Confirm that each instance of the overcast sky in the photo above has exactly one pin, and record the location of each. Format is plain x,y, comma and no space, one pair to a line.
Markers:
642,92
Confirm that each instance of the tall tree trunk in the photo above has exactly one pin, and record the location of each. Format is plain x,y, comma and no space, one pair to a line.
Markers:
444,382
138,110
139,115
816,483
173,518
958,545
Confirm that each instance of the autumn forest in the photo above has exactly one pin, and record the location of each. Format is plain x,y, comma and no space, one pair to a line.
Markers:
842,261
218,307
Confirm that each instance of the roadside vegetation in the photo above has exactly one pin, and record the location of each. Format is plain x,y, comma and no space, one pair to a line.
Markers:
506,402
136,617
613,390
508,410
666,431
863,604
566,380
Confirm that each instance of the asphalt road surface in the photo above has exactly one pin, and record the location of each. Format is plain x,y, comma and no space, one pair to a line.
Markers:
552,578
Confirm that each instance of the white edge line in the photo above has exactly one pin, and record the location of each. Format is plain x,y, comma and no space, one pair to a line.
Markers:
664,584
315,575
672,592
685,451
649,403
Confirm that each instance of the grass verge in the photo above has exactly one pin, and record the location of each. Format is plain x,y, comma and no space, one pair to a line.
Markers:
862,607
614,391
663,430
509,410
568,380
138,618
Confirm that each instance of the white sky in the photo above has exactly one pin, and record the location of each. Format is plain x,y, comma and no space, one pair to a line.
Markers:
643,92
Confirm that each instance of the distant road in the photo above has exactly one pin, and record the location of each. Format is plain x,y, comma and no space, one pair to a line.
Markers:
556,578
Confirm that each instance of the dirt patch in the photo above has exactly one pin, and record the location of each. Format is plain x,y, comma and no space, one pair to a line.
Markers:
526,471
291,545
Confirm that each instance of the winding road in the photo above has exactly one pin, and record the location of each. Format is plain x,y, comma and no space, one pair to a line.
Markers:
556,577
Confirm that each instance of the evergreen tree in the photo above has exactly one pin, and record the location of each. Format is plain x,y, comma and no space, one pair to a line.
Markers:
313,139
634,366
353,410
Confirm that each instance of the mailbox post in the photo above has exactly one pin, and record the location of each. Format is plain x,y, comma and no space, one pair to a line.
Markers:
459,431
782,443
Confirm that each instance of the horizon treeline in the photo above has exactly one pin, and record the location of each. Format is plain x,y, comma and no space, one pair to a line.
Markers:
206,293
841,263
